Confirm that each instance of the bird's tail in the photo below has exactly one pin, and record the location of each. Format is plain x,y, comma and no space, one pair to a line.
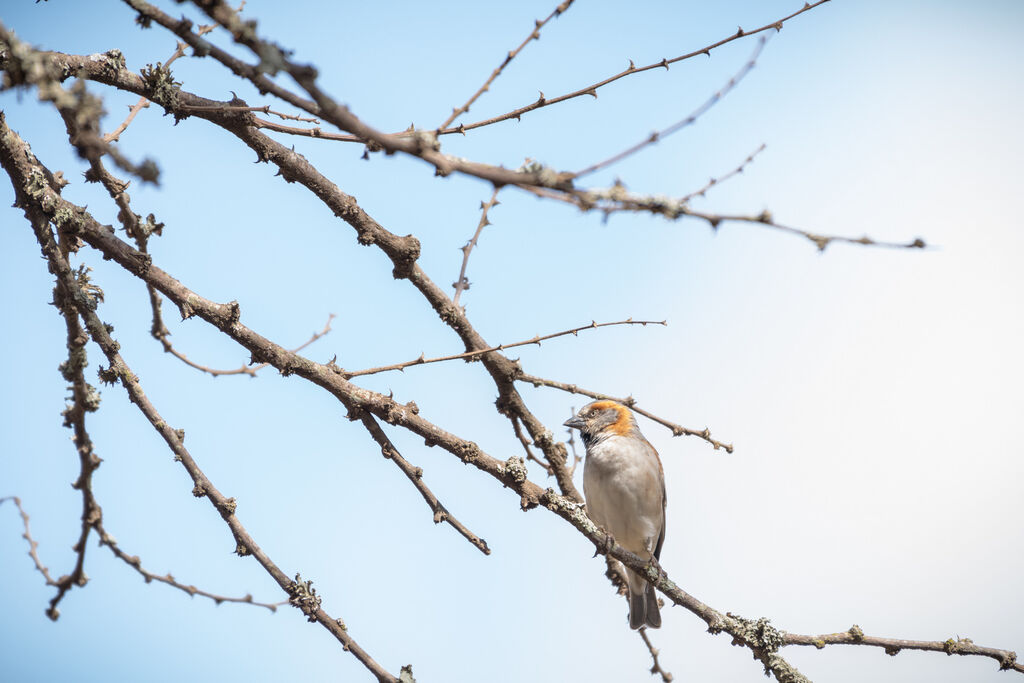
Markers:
643,603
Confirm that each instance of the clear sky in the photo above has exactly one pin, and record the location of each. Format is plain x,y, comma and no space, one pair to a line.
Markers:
873,395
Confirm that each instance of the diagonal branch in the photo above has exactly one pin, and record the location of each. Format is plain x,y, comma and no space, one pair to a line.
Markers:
617,199
655,669
476,353
534,35
677,430
33,545
415,475
135,563
23,168
713,182
763,639
462,283
657,136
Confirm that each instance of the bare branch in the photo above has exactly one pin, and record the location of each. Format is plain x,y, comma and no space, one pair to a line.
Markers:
714,182
657,136
534,35
415,475
476,353
656,669
241,370
462,283
22,166
135,563
265,109
758,635
526,443
677,430
959,646
617,199
33,546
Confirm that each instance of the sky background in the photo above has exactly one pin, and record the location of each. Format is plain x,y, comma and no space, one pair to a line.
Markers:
873,395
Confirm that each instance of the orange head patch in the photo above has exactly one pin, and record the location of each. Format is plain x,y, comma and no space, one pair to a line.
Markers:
623,424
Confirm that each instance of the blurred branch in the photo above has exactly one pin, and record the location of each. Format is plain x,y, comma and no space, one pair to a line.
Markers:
677,430
33,546
476,353
534,35
462,283
714,182
679,125
415,475
617,199
655,669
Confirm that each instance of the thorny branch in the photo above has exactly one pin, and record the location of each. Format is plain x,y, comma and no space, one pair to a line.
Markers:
415,475
476,353
462,283
250,370
33,545
534,35
617,199
657,136
532,177
655,669
758,635
893,646
714,182
42,203
677,430
39,197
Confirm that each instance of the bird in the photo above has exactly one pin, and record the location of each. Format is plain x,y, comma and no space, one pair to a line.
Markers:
624,487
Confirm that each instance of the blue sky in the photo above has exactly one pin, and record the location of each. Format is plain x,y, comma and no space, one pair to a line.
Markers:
873,395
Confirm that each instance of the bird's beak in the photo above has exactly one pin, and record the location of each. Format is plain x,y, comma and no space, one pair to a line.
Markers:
575,421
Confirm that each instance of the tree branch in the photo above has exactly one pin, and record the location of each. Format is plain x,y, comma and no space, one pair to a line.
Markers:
415,475
462,283
42,204
677,430
476,353
657,136
534,35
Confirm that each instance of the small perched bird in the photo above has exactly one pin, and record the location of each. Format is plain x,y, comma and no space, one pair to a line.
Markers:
624,485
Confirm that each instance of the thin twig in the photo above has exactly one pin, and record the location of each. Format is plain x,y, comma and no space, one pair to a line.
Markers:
241,370
655,669
415,475
135,563
530,457
959,646
713,182
677,430
265,85
462,283
683,123
617,199
571,443
500,347
534,35
422,144
33,546
22,167
758,635
265,109
143,103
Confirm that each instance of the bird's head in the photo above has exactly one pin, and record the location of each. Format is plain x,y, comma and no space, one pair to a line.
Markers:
601,419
